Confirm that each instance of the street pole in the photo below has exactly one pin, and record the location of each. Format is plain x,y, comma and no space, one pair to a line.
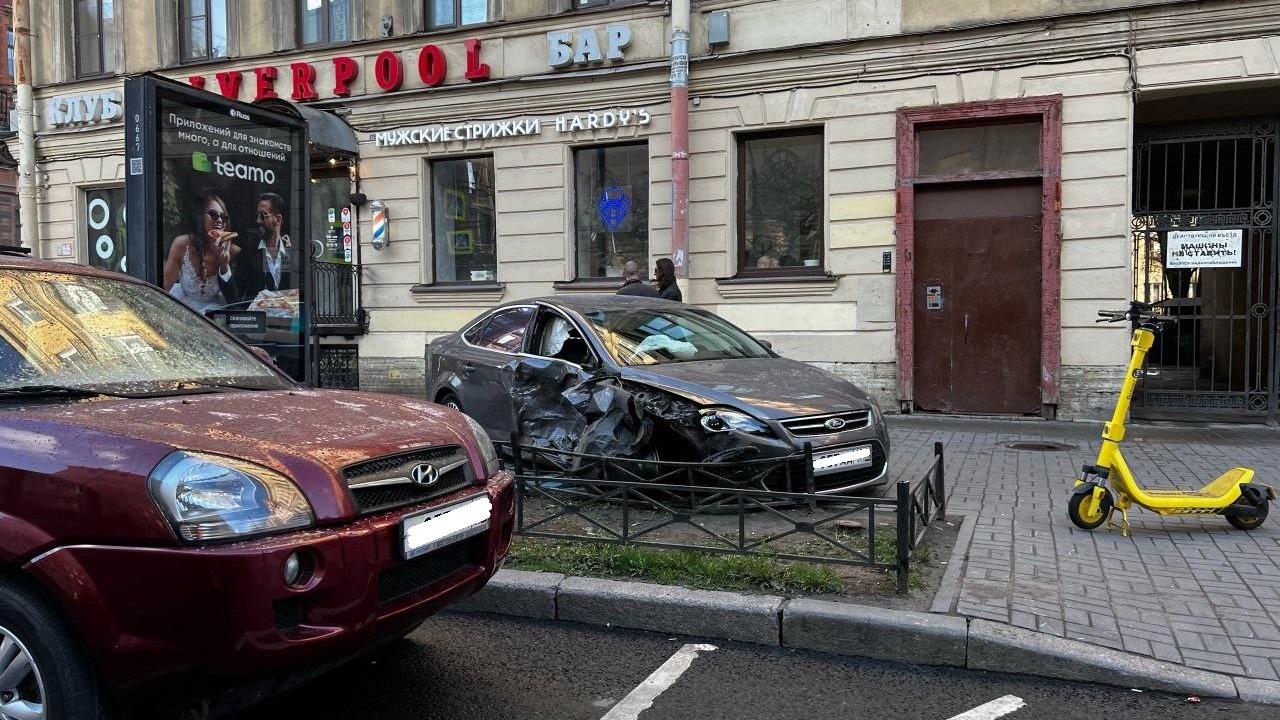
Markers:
680,137
27,219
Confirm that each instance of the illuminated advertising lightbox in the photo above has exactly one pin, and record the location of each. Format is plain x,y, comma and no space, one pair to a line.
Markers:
217,211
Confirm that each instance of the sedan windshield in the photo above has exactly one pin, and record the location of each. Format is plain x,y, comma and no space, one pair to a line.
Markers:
74,331
653,337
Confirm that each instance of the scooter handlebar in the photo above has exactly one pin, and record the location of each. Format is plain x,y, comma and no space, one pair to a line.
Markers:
1137,312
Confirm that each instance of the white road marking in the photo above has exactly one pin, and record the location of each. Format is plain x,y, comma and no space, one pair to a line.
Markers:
641,699
994,709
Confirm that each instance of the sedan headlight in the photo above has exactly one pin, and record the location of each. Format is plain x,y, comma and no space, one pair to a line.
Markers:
487,451
212,497
724,420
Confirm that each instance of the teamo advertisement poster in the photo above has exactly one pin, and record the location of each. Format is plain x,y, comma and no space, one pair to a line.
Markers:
230,215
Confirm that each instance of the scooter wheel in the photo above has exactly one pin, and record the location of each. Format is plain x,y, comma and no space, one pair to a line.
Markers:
1250,522
1080,514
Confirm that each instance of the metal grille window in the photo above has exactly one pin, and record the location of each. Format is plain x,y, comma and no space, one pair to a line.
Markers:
1205,246
202,29
611,208
94,28
462,220
456,13
104,228
780,203
324,21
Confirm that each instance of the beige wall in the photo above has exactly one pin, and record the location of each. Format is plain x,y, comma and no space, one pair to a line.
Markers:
921,15
851,90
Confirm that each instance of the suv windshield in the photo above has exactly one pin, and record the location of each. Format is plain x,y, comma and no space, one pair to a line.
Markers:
77,331
653,337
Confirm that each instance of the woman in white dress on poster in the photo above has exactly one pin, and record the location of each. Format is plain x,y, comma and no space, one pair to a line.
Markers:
198,268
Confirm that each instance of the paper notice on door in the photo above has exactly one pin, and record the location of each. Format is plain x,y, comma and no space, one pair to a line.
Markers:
1203,248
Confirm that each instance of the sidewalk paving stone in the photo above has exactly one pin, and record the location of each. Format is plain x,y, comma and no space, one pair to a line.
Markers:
1189,590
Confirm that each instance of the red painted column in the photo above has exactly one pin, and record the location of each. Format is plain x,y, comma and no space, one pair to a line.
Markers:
680,137
680,180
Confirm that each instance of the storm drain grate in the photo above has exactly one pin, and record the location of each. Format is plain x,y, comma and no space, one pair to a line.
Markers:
1037,445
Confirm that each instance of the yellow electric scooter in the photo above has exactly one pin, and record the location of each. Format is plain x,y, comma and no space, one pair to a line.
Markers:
1233,495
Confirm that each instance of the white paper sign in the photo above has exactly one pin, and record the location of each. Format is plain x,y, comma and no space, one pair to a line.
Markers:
1203,248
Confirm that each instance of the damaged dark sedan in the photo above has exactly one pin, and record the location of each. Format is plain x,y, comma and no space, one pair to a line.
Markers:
644,378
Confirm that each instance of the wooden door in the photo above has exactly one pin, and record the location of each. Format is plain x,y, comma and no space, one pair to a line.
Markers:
977,311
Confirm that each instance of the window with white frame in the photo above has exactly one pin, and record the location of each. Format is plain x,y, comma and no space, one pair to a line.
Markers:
202,29
323,22
94,28
456,13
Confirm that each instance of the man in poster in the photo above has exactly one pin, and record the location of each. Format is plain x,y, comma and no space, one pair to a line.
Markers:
271,265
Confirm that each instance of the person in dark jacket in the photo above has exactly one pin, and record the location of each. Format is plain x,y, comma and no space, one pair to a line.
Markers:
666,278
635,284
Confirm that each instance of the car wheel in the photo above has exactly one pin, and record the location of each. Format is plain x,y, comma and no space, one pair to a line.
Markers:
42,673
450,400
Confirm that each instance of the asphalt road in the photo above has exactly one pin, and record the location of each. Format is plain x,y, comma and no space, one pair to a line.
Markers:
464,667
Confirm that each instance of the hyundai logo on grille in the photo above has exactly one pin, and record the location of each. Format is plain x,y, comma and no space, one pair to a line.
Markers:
834,423
424,475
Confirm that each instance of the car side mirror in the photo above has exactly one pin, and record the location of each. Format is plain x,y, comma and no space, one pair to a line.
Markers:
263,355
767,345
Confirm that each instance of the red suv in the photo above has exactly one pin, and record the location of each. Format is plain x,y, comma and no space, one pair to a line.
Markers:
177,513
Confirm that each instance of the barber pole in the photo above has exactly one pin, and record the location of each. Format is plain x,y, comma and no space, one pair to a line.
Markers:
380,230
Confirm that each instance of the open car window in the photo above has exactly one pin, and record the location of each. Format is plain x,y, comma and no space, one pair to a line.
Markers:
91,332
557,338
652,337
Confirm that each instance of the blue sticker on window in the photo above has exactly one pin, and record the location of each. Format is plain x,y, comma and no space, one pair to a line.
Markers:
614,206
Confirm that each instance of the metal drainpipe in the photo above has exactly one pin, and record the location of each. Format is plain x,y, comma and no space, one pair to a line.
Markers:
26,125
680,136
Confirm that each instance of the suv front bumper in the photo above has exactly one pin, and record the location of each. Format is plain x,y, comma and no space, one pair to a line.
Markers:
223,613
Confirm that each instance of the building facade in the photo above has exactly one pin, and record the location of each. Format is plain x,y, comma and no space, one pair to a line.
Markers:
929,198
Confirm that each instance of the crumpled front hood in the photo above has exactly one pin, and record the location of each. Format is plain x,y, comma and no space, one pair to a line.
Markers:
769,388
306,434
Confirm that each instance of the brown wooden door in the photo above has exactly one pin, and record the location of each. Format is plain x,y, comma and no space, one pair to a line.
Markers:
977,310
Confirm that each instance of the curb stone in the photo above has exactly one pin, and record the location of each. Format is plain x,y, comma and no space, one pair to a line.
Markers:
666,608
846,629
517,592
1004,648
873,632
1259,691
949,588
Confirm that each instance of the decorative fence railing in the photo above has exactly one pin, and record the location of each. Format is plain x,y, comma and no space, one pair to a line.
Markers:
721,507
337,297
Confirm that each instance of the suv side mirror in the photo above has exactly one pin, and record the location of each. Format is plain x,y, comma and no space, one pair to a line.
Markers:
767,345
263,355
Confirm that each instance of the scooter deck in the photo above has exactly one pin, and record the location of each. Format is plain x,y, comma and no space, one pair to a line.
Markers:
1217,488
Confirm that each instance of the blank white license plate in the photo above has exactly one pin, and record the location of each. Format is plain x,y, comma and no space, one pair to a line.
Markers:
438,527
847,459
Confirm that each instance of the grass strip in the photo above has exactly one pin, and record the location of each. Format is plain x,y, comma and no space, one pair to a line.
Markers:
688,568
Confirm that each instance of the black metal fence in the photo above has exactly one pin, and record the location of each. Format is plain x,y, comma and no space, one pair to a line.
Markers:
337,297
721,507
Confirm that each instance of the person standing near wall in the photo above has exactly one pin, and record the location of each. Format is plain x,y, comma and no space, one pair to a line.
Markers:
633,275
665,272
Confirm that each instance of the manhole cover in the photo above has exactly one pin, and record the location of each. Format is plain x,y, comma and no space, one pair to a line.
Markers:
1037,445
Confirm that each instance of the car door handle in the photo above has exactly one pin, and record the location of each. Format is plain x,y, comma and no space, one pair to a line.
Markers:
468,368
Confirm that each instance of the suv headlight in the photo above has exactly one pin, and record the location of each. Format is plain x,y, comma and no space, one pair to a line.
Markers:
724,420
212,497
487,451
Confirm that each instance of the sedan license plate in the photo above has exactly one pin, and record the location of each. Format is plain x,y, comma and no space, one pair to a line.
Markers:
848,459
438,527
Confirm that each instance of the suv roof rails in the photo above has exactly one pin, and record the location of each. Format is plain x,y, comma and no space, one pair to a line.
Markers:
15,250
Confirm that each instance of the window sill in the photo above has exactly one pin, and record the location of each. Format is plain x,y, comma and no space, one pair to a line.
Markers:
480,293
778,286
589,285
